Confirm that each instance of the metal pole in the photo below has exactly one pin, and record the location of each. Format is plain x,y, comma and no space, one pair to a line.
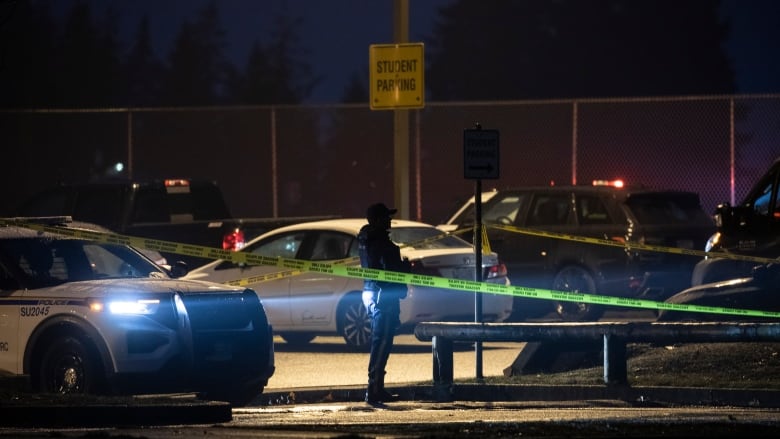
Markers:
130,145
574,117
417,167
274,174
732,154
401,122
478,268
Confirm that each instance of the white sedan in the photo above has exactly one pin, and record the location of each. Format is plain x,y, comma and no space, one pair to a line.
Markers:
308,304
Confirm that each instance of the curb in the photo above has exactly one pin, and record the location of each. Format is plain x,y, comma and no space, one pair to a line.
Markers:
640,396
188,409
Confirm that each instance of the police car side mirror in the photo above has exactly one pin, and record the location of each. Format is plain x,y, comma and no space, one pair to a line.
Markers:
179,269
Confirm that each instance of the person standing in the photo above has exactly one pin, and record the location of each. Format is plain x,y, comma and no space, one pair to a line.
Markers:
381,298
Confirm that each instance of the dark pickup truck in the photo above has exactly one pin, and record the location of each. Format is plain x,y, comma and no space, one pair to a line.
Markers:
751,228
179,210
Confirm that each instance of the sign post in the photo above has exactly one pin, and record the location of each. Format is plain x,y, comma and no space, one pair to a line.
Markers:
480,160
396,82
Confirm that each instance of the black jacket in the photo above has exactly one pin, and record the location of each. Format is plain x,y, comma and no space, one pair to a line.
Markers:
378,251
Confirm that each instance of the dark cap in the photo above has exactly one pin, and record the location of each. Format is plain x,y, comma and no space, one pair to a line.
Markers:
378,210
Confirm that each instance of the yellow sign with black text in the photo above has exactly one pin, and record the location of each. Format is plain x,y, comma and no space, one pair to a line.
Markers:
396,76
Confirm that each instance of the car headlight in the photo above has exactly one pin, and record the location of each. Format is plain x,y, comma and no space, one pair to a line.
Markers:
126,306
137,307
712,242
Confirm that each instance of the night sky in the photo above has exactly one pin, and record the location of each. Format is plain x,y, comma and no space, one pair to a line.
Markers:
338,33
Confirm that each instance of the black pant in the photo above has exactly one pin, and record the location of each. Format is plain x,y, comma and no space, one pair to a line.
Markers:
383,326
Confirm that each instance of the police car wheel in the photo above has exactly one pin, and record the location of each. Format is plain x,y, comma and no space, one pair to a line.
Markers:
354,323
68,367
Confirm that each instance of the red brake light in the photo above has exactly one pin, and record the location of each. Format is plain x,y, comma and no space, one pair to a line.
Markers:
613,183
233,240
495,271
176,182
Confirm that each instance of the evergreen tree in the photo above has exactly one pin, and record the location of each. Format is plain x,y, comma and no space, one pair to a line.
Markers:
257,85
27,47
293,78
538,49
198,69
143,70
356,90
87,67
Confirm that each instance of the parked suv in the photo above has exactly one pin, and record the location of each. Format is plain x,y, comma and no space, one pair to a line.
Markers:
752,229
624,215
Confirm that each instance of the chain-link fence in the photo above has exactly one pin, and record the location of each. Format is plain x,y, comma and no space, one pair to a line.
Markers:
313,160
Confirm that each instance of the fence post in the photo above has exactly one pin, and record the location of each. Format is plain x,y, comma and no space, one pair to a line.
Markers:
615,361
442,368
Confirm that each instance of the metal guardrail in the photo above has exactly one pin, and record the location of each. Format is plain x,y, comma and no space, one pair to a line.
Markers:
615,337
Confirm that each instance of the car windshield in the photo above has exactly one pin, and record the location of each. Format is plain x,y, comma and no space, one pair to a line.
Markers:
683,208
425,238
41,262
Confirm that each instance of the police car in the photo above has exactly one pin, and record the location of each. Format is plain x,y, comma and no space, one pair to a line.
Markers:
80,315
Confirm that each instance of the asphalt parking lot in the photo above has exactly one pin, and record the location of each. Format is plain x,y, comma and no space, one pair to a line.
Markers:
338,412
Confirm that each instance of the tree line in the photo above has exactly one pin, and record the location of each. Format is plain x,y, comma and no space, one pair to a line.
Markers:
476,50
80,62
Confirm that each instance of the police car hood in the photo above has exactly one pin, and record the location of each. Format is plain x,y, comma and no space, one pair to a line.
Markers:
107,287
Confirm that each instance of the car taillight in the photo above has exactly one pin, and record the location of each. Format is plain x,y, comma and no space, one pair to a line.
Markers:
419,268
233,240
620,239
613,183
495,271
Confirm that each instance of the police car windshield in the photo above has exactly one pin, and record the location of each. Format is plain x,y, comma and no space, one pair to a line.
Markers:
425,238
45,262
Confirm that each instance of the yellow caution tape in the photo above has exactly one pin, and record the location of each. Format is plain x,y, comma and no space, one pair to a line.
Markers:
633,246
339,268
485,241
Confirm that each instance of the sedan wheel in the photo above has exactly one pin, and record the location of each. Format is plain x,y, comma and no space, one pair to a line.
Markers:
576,280
354,323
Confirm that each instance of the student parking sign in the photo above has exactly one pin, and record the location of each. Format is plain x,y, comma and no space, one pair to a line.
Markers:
396,76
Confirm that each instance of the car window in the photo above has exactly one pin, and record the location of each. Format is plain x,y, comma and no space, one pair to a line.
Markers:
151,206
504,209
667,208
101,205
762,202
591,210
465,214
285,246
422,238
330,245
44,262
547,210
7,281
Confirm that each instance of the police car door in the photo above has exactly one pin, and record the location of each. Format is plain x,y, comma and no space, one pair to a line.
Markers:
9,322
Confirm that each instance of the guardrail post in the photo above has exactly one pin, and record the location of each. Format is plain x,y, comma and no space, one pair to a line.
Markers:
615,361
442,368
